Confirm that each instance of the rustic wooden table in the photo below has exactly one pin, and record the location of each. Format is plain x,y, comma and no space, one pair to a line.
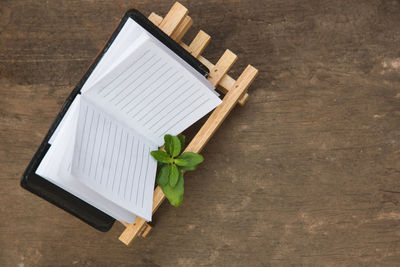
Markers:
306,173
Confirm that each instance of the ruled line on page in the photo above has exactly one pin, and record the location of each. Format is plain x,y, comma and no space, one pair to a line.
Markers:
80,146
108,88
124,147
118,152
112,156
167,105
136,170
112,88
88,140
155,104
141,100
152,102
129,167
131,102
123,163
138,86
106,148
184,117
158,79
146,72
135,160
140,176
144,182
171,109
101,145
175,112
133,63
95,137
133,96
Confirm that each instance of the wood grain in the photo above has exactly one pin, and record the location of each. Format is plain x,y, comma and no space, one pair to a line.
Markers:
222,67
182,29
305,174
173,19
199,43
156,19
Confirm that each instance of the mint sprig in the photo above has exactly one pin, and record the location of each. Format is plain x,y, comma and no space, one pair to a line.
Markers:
171,165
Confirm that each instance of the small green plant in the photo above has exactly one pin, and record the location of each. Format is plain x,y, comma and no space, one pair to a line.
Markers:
171,164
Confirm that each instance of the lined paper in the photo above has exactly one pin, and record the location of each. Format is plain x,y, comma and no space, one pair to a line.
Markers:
154,93
114,159
126,41
56,168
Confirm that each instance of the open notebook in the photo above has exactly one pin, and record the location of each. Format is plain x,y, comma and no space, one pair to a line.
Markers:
138,92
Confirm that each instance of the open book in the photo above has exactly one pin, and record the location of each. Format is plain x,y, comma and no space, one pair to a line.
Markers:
139,91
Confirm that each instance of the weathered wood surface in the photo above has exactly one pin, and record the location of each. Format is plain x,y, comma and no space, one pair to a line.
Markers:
306,173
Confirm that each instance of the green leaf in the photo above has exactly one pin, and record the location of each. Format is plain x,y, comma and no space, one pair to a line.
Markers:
174,194
182,139
176,149
168,143
173,175
172,145
189,159
188,168
161,156
162,176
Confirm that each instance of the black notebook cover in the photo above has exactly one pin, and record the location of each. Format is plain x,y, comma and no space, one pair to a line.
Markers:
59,196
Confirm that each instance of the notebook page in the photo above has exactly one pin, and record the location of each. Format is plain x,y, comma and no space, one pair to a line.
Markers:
126,38
154,93
56,168
126,41
114,160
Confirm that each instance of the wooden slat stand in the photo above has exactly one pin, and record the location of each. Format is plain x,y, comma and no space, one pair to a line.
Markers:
175,24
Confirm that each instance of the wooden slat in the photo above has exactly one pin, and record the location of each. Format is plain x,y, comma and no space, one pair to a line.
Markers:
158,198
220,113
199,43
132,230
146,231
181,30
174,17
222,67
226,81
243,99
156,19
